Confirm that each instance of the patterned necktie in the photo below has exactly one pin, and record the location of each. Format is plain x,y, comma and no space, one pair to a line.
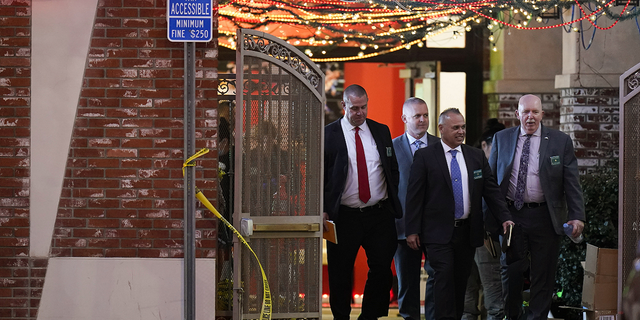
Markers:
456,183
416,145
522,174
363,175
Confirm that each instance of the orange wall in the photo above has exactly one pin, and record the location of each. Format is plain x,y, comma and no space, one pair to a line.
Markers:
385,90
386,96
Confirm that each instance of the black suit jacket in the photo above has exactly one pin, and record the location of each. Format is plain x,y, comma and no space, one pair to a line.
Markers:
336,163
405,159
430,205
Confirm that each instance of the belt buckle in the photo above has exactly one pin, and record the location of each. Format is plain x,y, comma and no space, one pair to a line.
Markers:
457,223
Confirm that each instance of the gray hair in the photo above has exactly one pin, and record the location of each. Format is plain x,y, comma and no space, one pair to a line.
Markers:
412,102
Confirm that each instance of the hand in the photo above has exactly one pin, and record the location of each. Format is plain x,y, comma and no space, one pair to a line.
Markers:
325,217
578,226
505,226
413,241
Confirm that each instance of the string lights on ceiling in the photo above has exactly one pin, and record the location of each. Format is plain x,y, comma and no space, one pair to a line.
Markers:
377,27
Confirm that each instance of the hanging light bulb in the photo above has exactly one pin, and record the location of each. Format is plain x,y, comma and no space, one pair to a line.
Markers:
495,49
491,38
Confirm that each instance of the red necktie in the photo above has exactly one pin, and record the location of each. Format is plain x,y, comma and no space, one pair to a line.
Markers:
363,174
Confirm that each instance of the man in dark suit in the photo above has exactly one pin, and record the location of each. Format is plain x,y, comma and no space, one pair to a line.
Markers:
444,210
415,114
538,174
361,197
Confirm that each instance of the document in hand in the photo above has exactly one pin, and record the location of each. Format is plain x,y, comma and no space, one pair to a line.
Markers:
488,243
329,232
506,239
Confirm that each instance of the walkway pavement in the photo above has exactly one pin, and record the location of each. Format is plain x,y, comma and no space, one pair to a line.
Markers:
355,312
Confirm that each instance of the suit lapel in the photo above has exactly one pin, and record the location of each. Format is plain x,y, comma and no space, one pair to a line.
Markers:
341,147
471,165
442,163
405,147
376,138
544,143
512,149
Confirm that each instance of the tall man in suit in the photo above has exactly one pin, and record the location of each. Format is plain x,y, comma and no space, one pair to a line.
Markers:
361,197
415,114
538,174
444,210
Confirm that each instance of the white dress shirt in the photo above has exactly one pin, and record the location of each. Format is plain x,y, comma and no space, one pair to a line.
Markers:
412,140
463,172
377,182
533,191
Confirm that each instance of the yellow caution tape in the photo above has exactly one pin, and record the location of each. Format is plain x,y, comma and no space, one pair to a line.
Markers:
189,163
265,313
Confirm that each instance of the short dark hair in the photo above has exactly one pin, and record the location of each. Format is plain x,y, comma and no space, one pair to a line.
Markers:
446,113
492,126
353,90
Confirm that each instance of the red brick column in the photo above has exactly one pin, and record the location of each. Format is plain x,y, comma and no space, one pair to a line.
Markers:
591,117
21,277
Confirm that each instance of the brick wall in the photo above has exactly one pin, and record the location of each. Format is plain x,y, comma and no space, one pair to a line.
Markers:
591,117
122,194
21,277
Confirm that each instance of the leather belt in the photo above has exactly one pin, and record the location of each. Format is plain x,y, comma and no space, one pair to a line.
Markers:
527,204
363,209
460,222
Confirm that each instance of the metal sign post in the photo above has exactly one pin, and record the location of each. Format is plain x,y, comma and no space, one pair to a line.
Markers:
189,21
189,182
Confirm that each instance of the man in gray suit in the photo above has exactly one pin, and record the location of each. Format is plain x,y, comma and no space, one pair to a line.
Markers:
415,114
538,174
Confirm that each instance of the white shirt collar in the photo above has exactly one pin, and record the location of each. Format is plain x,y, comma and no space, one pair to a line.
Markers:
447,148
347,125
536,134
412,139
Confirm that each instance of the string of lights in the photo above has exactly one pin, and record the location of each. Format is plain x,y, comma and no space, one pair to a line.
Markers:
378,27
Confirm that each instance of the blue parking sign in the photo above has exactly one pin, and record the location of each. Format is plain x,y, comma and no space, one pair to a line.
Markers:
190,20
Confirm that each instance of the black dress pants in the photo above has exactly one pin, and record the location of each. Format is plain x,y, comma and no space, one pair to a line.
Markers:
534,245
374,230
451,263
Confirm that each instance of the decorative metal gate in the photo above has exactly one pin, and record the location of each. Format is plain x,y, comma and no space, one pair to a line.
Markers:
279,122
629,194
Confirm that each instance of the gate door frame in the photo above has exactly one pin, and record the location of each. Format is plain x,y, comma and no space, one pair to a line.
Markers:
273,75
629,186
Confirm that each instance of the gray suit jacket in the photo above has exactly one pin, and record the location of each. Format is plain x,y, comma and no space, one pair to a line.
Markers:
405,159
559,177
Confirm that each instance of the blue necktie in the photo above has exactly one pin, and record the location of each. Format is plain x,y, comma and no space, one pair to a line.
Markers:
416,145
522,174
456,183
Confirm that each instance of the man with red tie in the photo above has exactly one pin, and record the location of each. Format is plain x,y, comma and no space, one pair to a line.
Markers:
361,197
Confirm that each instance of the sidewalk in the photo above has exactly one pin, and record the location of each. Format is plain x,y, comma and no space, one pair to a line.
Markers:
355,312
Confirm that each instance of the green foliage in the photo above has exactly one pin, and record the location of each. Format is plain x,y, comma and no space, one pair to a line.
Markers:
600,190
